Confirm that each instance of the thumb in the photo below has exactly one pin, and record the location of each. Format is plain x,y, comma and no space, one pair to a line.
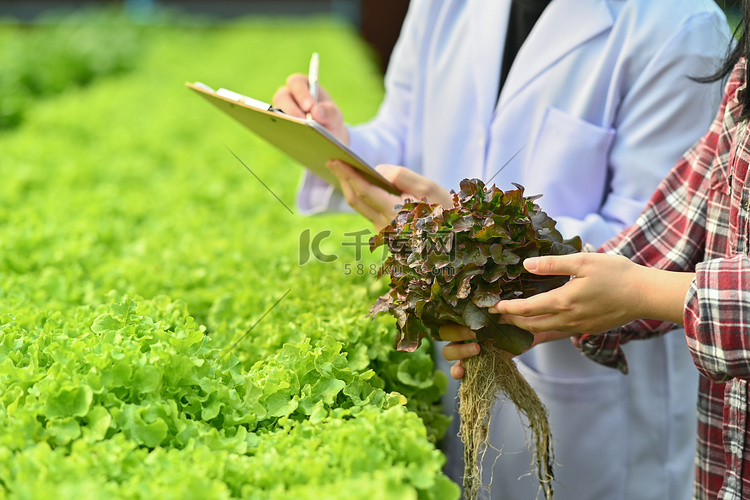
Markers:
553,265
418,185
393,173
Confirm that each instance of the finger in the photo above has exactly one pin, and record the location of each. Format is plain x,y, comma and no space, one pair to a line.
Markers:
544,303
459,350
326,113
409,181
374,196
542,323
357,204
299,87
555,264
354,201
458,371
284,101
400,176
329,115
456,333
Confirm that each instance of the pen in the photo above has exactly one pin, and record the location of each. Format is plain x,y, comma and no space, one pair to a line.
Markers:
312,77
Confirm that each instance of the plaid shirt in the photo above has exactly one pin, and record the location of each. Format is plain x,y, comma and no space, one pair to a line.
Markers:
698,220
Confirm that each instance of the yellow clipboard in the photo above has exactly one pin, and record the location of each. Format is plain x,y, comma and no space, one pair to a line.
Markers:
305,141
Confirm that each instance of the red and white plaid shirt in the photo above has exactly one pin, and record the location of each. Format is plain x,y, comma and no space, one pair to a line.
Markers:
699,220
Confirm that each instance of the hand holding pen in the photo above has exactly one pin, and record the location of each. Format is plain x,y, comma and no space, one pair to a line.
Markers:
303,94
303,97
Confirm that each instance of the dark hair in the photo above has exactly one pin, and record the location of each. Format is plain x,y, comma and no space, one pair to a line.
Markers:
734,53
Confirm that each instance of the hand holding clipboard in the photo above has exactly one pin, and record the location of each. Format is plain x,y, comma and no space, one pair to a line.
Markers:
304,140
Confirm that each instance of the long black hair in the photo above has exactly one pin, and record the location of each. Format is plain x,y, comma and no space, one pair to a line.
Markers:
736,51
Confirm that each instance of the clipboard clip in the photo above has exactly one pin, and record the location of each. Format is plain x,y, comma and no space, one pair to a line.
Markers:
237,97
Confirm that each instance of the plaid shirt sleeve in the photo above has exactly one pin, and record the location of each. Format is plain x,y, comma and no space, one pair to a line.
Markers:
671,232
716,318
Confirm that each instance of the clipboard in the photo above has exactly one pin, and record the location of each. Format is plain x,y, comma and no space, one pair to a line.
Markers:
305,141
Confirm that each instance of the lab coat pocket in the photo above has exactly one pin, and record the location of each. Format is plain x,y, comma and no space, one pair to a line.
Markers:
570,159
589,426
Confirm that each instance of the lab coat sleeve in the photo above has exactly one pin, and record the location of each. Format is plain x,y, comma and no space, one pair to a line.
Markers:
661,115
381,140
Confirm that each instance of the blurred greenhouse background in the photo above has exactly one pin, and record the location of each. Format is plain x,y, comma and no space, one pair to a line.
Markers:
378,21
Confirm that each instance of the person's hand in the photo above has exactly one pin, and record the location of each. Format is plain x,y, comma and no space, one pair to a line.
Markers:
462,346
375,203
295,99
605,292
459,347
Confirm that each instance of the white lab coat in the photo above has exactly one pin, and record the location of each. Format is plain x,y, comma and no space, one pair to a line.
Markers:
596,109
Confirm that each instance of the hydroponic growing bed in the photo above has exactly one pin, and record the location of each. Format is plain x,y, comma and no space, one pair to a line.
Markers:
168,327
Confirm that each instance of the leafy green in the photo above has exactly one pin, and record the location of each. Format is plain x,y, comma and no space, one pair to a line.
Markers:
383,454
450,265
140,356
157,382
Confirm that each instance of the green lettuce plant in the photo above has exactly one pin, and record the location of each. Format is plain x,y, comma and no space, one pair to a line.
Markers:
158,389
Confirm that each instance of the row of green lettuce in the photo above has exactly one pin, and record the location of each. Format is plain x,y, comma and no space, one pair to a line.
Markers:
75,49
168,328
